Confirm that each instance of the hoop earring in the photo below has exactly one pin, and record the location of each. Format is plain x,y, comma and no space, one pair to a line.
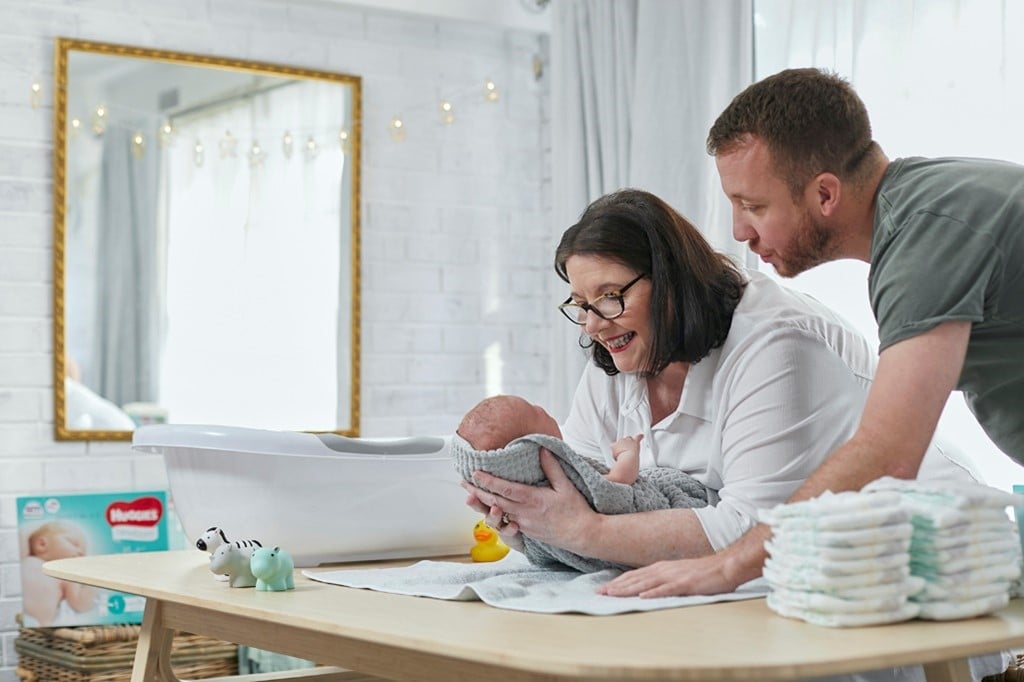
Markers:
585,342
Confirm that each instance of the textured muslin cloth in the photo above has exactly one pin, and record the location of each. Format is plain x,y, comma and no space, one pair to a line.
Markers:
515,583
519,461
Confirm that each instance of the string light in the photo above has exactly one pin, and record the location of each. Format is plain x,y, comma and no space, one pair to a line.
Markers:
256,154
396,129
167,134
447,112
99,120
490,91
138,144
228,145
37,92
312,149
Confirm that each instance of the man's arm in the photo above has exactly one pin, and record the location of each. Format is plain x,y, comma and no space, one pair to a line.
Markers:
910,389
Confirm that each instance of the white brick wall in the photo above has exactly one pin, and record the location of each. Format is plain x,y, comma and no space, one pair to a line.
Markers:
456,235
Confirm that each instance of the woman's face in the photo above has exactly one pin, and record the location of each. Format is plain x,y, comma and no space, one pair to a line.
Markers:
627,337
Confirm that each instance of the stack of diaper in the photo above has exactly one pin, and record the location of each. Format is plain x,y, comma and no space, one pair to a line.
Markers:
964,545
842,560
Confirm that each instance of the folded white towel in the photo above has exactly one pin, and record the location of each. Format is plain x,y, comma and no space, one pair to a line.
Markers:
514,583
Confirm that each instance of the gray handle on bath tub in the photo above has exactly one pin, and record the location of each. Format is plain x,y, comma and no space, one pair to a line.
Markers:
419,445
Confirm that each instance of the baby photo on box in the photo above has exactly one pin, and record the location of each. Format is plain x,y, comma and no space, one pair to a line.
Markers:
54,527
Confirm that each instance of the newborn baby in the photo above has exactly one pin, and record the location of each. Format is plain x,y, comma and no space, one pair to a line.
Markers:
503,436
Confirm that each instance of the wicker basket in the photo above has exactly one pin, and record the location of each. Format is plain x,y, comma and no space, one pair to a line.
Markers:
106,654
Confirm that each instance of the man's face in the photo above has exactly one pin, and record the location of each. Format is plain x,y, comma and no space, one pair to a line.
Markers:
784,232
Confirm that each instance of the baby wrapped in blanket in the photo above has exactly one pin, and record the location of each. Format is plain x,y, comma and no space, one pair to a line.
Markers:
503,436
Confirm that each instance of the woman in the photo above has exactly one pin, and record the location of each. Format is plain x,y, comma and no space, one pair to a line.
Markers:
743,384
730,377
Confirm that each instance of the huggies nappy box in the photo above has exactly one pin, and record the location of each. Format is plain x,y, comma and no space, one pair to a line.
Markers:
63,526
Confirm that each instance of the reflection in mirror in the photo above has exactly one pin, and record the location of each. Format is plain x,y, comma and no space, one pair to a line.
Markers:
206,243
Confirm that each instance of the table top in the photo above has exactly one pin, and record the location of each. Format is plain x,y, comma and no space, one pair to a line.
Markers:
741,640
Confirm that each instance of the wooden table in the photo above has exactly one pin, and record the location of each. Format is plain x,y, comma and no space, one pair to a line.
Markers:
411,638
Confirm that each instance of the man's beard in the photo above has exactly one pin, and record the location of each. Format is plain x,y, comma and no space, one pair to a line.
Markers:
813,245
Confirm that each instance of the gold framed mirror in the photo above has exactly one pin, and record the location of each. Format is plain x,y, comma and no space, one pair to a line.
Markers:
206,243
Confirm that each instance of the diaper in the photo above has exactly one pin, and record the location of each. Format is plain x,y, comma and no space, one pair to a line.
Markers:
777,545
981,534
830,503
895,532
934,592
843,619
852,520
946,495
822,583
951,610
820,601
799,565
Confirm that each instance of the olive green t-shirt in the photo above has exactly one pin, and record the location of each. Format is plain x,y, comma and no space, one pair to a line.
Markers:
948,244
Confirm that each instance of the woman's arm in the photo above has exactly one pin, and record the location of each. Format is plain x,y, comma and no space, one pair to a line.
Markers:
561,516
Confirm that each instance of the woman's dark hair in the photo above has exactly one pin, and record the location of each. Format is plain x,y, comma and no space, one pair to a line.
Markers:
694,289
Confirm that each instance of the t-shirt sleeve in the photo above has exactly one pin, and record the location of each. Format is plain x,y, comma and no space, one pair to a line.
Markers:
790,401
933,269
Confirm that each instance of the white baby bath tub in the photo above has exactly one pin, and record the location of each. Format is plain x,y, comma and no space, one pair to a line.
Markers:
323,497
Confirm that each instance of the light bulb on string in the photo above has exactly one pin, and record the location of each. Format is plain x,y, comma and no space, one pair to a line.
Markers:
99,120
197,154
490,91
75,126
138,144
37,94
343,140
396,129
312,150
256,154
228,145
287,143
167,134
447,112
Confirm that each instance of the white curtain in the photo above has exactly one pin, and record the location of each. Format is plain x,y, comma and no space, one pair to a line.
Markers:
939,78
635,86
126,306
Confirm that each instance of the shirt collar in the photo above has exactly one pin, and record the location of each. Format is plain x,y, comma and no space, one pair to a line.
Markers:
696,397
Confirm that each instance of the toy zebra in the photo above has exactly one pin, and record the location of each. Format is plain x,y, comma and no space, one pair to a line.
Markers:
214,537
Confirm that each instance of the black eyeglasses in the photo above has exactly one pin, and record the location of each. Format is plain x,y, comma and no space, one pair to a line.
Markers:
607,307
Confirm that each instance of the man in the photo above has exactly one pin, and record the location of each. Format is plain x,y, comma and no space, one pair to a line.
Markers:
945,240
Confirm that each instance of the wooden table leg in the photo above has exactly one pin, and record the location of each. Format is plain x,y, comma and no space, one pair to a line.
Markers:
153,653
957,670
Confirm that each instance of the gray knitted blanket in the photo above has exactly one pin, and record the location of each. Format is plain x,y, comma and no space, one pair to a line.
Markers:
655,488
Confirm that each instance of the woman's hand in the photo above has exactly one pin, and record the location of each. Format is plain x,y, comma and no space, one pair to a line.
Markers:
557,515
682,577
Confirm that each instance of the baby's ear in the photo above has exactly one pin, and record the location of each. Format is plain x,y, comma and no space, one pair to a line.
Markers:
39,545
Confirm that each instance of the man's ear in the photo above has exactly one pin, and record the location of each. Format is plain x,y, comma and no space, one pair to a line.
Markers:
829,190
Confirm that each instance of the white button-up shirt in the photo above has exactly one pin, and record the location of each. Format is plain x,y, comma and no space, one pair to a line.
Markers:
756,417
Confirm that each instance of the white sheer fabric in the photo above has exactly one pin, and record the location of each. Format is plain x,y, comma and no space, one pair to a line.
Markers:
635,86
939,78
256,252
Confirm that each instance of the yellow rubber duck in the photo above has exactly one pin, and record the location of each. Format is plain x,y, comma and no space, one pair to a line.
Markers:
489,546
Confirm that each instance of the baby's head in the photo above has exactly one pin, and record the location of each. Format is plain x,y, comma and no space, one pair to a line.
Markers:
56,540
497,420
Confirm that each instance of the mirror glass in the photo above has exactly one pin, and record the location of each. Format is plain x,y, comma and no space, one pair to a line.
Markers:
206,222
